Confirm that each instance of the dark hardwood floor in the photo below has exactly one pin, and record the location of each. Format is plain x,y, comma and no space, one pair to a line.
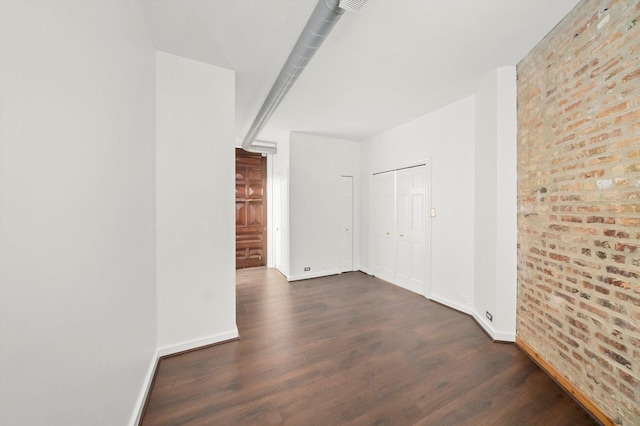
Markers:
353,349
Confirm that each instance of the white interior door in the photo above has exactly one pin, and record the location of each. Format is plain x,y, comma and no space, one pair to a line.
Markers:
399,227
277,223
281,223
410,229
345,227
383,225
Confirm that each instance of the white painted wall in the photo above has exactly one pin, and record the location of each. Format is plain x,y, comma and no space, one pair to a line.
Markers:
316,164
445,136
77,201
486,224
495,204
507,205
195,184
280,224
271,246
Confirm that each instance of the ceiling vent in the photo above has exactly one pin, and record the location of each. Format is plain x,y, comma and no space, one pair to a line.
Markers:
352,5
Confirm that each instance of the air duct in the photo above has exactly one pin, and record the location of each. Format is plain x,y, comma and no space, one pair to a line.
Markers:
264,147
324,17
352,5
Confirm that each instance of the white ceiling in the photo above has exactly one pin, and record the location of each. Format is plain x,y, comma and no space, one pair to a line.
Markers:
395,61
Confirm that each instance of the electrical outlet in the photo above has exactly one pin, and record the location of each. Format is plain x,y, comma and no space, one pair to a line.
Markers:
489,316
307,268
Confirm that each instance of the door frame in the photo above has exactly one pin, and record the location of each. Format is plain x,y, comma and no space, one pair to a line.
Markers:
239,151
271,252
428,228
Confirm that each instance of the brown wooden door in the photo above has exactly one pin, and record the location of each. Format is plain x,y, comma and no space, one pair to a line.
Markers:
251,209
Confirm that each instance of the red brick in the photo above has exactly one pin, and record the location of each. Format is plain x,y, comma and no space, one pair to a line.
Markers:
627,248
609,111
632,75
630,116
629,221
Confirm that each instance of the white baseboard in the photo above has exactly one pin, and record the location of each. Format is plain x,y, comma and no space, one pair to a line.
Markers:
209,340
495,335
282,272
455,305
169,350
364,270
144,393
312,275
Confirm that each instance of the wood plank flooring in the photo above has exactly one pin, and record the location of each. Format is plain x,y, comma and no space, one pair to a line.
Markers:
352,349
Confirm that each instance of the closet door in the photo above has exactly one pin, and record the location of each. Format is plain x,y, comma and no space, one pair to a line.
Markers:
399,227
383,225
410,229
345,228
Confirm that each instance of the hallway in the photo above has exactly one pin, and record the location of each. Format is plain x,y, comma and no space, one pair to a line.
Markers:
353,349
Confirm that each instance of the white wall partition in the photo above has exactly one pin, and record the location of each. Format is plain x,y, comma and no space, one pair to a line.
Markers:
317,164
271,246
495,205
77,212
195,203
280,225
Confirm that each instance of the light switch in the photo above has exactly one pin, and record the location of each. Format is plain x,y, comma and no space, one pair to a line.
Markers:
433,212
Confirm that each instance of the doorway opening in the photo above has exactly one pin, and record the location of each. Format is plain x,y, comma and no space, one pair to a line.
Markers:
251,209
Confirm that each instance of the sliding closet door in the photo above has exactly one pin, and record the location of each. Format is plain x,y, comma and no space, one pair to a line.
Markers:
383,221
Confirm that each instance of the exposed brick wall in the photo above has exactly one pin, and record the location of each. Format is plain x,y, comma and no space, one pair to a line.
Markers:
579,203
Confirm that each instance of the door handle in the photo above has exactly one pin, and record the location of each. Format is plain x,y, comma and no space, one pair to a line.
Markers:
402,235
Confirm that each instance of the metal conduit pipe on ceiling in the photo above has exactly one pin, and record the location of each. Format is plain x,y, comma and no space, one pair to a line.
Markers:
322,20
